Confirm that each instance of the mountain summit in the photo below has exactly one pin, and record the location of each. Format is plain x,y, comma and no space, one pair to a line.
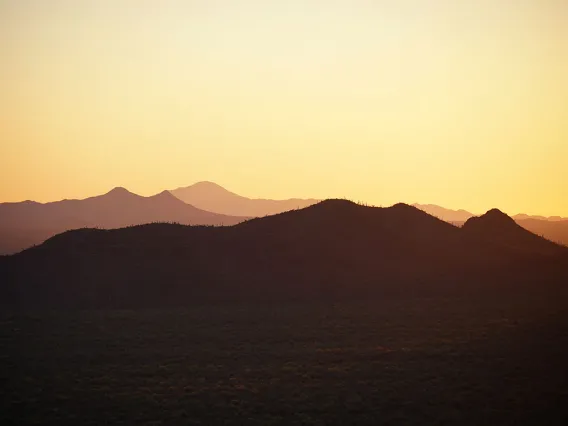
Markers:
214,198
119,191
494,218
500,228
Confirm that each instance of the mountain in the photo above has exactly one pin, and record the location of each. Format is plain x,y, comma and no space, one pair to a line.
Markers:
553,228
333,250
523,216
499,228
555,231
448,215
212,197
27,223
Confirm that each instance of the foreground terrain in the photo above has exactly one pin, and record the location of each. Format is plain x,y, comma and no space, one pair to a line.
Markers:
411,361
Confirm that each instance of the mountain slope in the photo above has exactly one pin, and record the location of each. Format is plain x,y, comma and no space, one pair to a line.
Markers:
497,227
212,197
332,250
553,230
27,223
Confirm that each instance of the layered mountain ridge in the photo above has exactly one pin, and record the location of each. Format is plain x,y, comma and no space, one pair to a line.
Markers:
28,223
334,249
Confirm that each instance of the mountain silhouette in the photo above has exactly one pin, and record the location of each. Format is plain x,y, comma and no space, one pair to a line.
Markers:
523,216
28,223
332,250
212,197
499,228
553,228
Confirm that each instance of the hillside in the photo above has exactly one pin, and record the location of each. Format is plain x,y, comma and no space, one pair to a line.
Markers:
553,230
212,197
332,250
27,223
497,227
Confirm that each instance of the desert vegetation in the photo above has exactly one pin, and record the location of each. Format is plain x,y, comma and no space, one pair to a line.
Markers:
415,362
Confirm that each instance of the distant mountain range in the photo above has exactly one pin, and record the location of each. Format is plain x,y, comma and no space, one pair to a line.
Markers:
212,197
547,218
332,250
27,223
447,215
204,203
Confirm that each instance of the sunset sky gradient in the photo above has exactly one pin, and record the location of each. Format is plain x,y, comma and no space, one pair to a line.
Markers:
458,103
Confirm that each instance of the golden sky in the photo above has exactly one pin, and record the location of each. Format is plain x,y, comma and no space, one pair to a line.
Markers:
458,103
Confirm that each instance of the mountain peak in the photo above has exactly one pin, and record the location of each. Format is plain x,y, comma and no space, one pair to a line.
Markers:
494,218
209,184
495,212
405,206
335,204
119,190
498,227
212,197
165,195
203,188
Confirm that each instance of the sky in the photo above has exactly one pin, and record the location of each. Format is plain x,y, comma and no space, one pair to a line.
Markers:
458,103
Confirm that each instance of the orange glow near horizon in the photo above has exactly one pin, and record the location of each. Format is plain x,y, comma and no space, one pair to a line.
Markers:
458,103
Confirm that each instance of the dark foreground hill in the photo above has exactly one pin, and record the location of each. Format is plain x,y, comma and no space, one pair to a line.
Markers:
498,227
553,228
28,223
330,251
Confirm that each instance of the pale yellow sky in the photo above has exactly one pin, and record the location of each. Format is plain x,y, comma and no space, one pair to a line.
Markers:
458,103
